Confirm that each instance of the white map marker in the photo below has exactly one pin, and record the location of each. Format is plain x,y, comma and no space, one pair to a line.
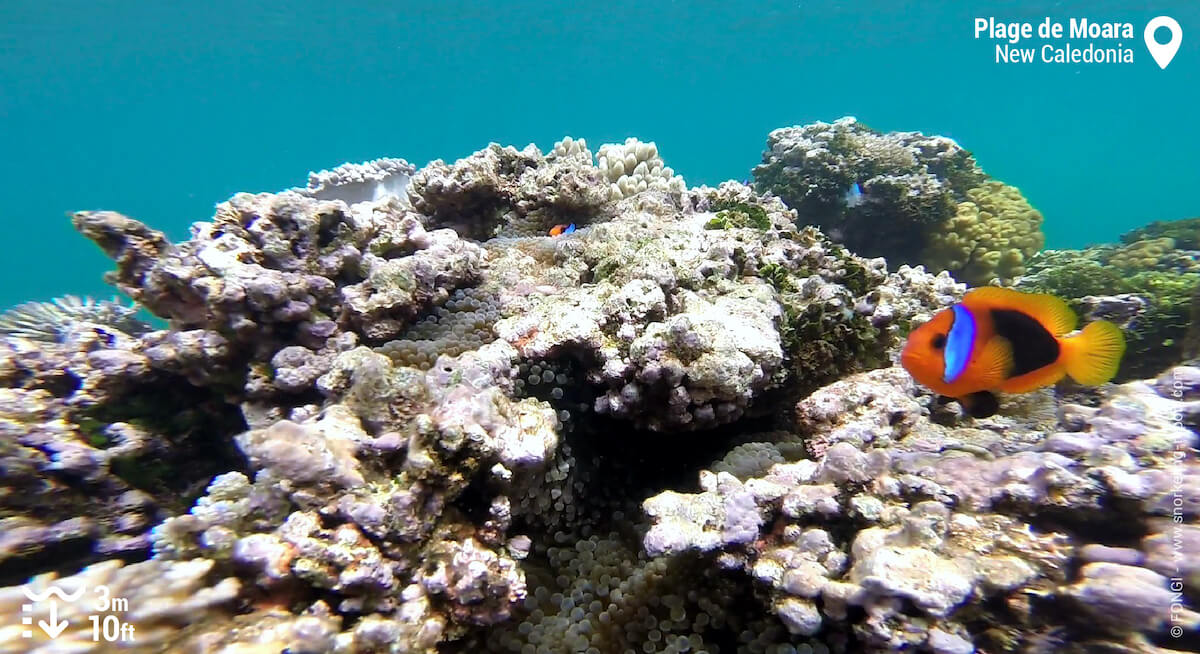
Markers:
1163,53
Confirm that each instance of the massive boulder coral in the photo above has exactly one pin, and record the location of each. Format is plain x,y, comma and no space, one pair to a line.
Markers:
909,197
900,531
991,236
909,182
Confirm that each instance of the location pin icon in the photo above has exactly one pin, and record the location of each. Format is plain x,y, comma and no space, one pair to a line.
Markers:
1163,53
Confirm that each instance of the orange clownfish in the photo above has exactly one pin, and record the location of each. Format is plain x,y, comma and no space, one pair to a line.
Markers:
998,339
560,229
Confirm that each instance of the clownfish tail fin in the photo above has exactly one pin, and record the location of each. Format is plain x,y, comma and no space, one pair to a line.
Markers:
1092,356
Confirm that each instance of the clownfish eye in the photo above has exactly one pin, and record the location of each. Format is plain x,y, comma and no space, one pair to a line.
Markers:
939,341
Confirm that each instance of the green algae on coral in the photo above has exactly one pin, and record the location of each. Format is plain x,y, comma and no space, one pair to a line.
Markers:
739,215
1155,336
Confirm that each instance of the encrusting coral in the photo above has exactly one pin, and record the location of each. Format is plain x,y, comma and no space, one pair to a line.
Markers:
392,413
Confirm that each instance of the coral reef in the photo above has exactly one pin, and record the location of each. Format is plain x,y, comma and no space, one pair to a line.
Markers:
391,413
101,438
910,183
911,198
900,532
1185,233
1146,286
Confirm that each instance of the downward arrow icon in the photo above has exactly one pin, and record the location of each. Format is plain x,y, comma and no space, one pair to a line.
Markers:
54,627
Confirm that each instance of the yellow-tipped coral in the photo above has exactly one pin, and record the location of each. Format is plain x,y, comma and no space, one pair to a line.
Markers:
1149,254
990,236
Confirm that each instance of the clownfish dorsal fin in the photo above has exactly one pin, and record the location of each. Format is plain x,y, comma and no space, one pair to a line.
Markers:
1050,311
994,363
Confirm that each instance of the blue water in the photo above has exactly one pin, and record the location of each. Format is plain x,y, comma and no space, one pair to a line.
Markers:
162,109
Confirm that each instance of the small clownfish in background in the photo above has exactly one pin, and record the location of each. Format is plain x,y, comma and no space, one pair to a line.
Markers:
560,229
998,339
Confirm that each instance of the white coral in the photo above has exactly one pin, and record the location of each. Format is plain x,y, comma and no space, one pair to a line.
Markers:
635,167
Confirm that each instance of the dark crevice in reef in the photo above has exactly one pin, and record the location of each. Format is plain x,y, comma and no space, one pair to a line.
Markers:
1115,523
662,461
64,557
192,431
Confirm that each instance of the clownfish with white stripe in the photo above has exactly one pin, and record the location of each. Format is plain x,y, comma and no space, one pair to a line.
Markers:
998,339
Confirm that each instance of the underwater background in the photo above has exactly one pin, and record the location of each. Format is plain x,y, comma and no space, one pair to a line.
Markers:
161,111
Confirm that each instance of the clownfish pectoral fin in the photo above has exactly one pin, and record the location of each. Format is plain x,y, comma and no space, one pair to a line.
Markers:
994,363
982,404
1092,356
1050,311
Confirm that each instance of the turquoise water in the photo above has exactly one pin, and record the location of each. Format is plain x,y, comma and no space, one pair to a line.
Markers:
160,110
